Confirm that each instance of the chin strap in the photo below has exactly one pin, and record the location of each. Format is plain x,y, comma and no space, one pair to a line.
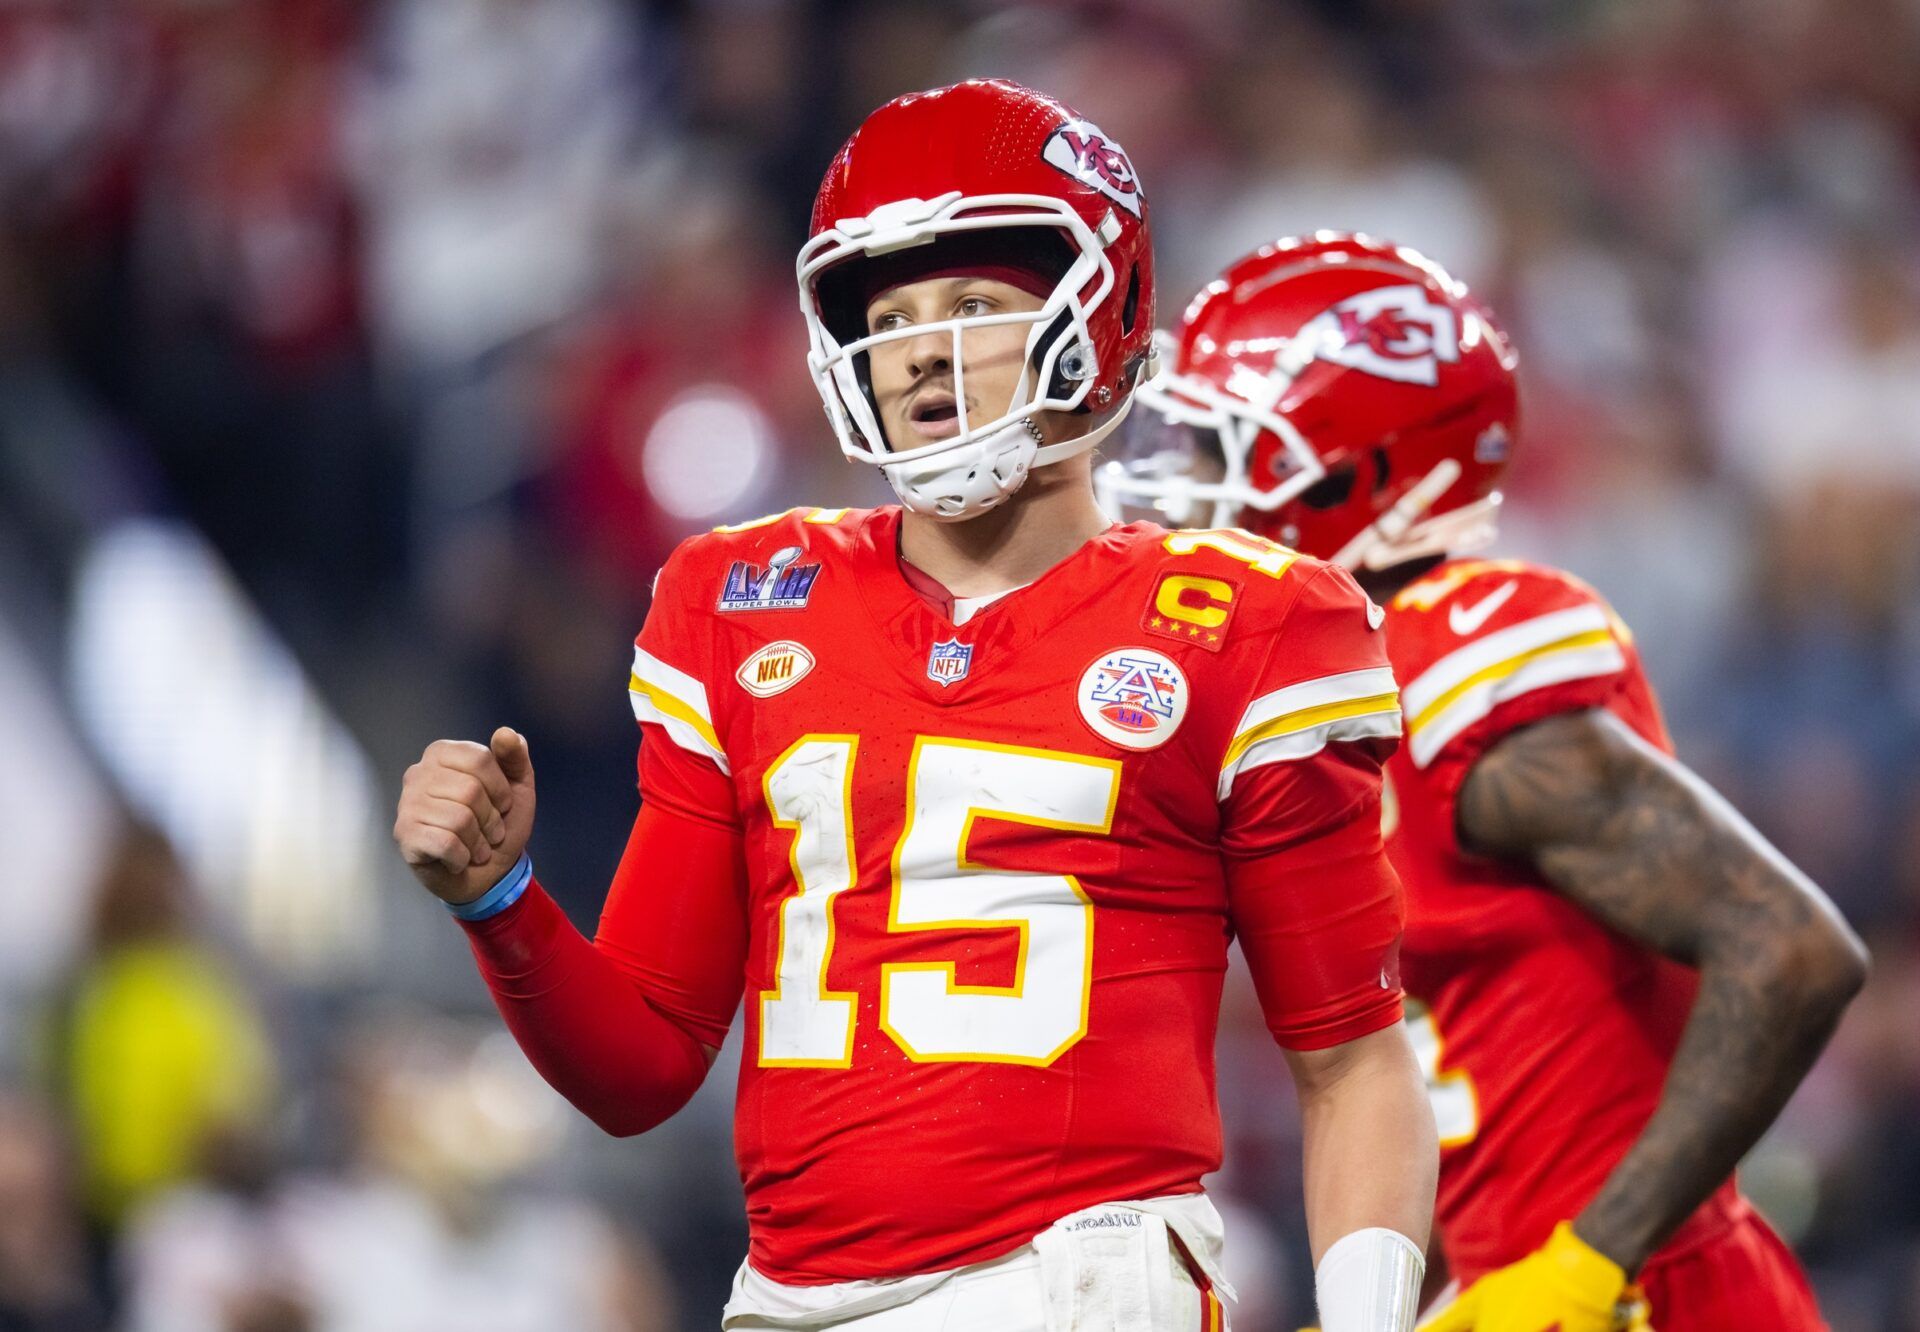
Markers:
1395,523
1456,533
1079,444
1401,534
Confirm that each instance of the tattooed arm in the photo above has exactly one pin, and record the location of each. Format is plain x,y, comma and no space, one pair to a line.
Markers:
1645,846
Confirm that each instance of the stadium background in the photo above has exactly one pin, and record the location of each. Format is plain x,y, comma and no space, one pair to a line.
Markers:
360,362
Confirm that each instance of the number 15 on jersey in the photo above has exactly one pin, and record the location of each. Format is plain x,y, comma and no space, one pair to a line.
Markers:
923,1008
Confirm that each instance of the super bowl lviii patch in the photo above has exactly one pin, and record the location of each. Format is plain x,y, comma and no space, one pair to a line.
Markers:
1133,697
774,668
785,584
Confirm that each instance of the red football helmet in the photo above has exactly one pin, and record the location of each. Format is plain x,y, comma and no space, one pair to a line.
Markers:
1340,394
983,176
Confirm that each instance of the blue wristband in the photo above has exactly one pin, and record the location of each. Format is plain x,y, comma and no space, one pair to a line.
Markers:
499,897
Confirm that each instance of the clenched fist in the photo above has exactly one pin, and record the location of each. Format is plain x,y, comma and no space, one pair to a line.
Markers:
466,811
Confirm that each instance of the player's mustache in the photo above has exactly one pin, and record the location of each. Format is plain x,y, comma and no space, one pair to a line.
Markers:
936,392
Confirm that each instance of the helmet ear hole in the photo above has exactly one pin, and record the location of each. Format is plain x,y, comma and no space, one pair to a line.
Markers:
1130,308
1381,469
1074,364
1333,489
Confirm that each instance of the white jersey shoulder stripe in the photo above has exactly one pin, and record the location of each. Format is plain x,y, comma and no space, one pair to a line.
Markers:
677,702
1462,664
1293,745
1578,657
1300,720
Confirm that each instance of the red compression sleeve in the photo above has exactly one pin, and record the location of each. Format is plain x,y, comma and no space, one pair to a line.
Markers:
621,1031
681,934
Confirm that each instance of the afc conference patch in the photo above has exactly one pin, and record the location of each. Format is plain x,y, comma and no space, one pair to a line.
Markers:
1134,698
785,584
949,661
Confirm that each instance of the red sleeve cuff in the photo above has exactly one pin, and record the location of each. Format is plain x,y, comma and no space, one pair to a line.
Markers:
1320,926
1347,1025
515,943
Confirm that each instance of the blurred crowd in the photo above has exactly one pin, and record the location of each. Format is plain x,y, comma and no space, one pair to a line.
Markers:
442,320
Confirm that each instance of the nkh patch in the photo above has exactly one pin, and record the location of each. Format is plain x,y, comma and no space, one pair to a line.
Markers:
785,584
949,661
1193,609
774,668
1134,698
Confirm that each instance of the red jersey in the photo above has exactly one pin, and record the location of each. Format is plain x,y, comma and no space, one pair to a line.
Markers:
1545,1035
992,870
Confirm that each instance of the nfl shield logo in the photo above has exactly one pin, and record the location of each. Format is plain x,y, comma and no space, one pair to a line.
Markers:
949,662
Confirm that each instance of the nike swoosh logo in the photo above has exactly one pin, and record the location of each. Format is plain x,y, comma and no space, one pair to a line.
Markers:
1465,620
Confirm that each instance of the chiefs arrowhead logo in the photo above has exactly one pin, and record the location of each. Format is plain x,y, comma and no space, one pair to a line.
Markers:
1090,157
1397,333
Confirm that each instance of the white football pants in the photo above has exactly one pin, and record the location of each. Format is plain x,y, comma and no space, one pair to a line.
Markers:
1107,1269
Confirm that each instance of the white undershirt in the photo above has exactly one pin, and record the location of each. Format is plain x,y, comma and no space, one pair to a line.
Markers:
965,608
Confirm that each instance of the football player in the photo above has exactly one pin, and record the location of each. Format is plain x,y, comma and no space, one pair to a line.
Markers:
966,797
1613,981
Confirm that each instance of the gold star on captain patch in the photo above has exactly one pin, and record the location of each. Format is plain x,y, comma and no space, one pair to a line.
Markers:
1213,638
1159,623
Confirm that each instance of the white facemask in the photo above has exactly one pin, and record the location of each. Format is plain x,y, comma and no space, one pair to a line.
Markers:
984,462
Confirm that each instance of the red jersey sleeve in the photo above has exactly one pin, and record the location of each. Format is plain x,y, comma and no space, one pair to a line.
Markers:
1313,899
616,1026
676,919
672,687
677,926
1485,647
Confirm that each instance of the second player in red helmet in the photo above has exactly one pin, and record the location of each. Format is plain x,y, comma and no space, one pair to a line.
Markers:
1351,397
1613,982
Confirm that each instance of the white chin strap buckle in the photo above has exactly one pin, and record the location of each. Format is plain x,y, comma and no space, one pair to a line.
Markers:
969,481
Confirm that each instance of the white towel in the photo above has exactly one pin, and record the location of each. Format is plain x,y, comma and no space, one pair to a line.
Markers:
1110,1269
